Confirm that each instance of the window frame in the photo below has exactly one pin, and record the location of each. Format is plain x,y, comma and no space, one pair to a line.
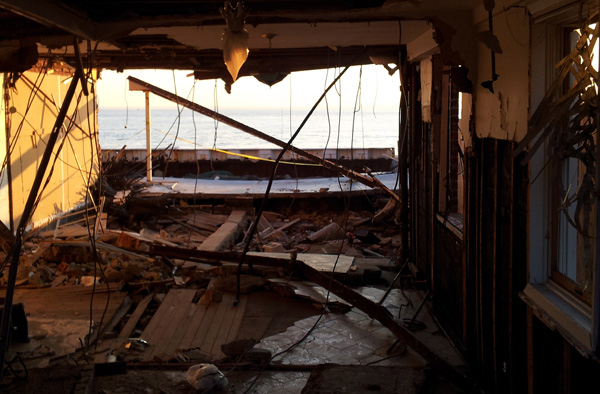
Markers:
450,197
553,297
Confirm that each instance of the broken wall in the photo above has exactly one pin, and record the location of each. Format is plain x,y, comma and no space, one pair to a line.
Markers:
503,113
32,105
4,208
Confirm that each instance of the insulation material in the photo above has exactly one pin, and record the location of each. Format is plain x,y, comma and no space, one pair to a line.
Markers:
426,81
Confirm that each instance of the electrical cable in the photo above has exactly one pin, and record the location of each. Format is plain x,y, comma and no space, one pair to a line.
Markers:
315,325
15,138
32,94
92,234
270,184
197,163
215,121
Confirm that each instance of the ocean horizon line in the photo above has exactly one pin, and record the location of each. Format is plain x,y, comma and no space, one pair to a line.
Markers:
386,109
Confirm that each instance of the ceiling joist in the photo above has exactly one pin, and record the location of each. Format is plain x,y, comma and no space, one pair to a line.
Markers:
50,14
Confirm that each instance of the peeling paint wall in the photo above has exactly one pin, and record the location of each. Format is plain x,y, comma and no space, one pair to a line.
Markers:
31,116
503,114
4,206
464,124
426,81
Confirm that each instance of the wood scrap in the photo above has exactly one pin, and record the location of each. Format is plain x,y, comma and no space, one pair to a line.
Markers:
382,315
226,234
202,231
132,321
280,229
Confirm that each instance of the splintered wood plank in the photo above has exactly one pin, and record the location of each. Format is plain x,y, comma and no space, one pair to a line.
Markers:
171,346
237,319
206,220
226,234
187,338
157,318
215,326
320,262
200,334
70,302
229,326
168,320
171,322
133,320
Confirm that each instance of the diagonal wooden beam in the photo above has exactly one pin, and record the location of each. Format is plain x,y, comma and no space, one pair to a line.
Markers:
28,209
382,315
371,181
52,14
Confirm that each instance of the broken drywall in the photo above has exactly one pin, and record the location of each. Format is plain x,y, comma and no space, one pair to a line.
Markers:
502,111
426,81
4,195
31,118
464,123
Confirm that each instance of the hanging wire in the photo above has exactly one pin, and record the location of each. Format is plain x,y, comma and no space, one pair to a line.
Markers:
195,159
376,92
347,207
328,116
269,185
215,122
12,144
126,105
16,137
92,230
346,198
357,108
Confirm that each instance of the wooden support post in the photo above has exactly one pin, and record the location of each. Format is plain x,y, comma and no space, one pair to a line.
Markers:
596,303
148,139
444,131
403,157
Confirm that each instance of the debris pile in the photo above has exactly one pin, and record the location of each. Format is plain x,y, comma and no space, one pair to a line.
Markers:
165,254
126,251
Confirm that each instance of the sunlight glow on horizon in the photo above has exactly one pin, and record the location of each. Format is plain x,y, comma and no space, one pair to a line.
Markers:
299,90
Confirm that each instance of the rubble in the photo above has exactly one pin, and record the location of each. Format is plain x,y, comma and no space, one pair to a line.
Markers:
194,253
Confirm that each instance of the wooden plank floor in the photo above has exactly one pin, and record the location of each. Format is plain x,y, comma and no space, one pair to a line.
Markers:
70,302
180,324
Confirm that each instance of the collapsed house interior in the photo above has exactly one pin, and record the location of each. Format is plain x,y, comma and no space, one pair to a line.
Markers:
479,275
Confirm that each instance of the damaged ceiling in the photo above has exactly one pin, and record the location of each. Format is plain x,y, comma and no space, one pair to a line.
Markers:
285,36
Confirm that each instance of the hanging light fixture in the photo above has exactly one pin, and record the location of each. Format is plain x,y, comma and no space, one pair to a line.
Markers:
235,38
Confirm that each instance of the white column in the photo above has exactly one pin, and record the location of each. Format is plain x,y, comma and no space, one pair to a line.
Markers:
148,140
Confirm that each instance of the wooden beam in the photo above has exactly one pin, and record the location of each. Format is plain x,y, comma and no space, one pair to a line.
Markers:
368,181
382,315
51,14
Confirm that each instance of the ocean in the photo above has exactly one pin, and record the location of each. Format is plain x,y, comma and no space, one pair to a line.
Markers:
122,127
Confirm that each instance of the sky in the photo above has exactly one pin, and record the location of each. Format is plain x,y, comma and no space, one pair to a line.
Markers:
299,90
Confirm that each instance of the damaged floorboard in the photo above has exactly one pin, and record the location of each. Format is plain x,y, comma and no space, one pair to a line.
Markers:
59,317
70,302
181,324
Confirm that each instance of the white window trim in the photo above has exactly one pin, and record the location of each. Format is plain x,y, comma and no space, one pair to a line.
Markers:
559,310
551,303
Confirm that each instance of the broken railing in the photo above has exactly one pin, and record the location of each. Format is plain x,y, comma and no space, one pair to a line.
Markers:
370,181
